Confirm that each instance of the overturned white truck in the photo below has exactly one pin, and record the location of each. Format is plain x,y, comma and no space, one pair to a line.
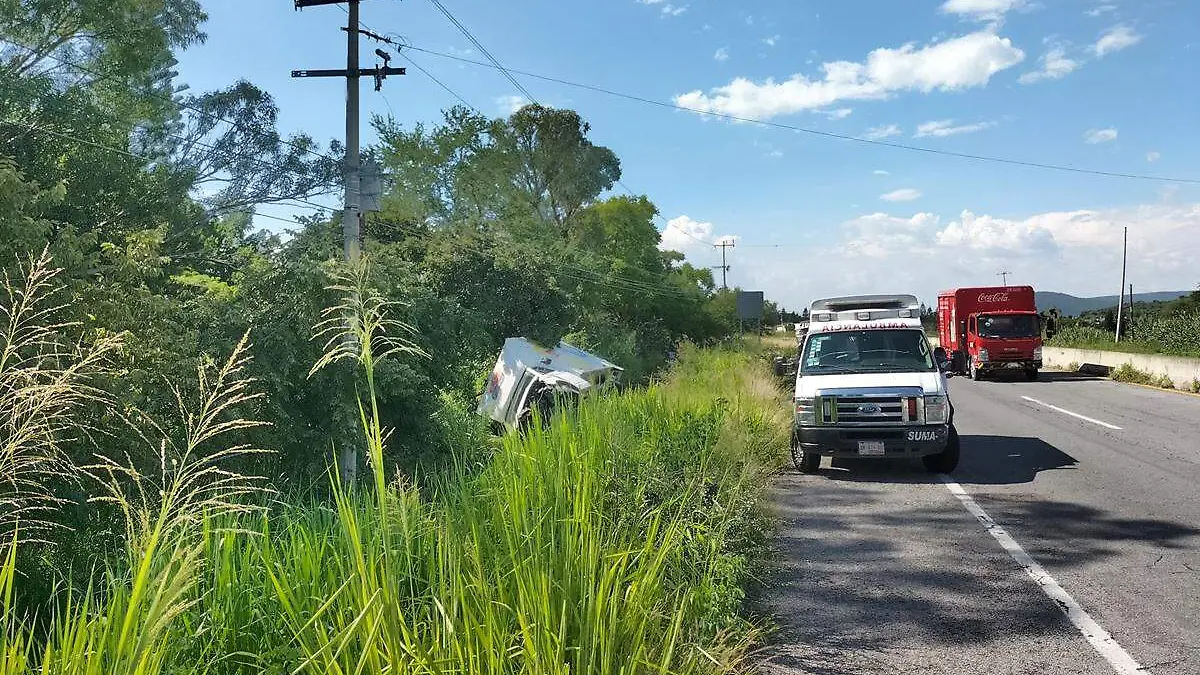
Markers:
530,379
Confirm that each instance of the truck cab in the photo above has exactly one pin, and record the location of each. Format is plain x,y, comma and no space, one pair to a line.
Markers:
869,385
991,329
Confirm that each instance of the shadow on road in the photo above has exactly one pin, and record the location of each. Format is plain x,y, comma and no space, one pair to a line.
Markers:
871,579
986,460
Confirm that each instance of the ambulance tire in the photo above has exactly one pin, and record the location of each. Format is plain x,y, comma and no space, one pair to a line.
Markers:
945,461
806,462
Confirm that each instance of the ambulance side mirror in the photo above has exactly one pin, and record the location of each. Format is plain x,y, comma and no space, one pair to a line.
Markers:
941,358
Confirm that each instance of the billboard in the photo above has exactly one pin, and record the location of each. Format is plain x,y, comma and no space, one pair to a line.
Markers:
750,305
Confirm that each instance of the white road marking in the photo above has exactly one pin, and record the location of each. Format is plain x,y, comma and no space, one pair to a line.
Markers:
1094,633
1072,414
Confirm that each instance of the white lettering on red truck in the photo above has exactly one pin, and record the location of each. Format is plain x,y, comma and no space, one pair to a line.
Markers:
993,297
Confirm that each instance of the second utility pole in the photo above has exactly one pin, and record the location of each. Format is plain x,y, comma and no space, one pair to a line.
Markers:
1121,302
724,266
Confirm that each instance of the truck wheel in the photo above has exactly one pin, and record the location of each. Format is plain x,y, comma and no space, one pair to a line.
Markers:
1031,374
945,461
806,462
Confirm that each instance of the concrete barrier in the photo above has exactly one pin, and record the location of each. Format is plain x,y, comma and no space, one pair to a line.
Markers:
1182,370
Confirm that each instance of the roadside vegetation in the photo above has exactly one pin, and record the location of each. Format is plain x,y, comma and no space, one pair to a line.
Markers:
1173,335
1171,328
618,538
183,489
1128,373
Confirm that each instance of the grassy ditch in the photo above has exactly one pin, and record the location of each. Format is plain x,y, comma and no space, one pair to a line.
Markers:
617,539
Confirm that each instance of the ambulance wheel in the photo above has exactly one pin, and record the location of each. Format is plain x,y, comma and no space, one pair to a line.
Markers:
806,462
945,461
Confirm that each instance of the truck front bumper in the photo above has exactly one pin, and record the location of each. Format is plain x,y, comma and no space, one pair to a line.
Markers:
995,366
914,441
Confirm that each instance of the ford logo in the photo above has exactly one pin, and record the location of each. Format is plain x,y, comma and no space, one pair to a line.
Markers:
869,409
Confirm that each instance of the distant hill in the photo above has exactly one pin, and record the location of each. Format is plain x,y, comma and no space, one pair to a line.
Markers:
1070,305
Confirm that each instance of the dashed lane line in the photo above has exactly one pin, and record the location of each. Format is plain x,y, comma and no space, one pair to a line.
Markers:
1072,414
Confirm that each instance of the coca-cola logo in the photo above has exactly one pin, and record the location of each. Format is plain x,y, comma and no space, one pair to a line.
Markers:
993,297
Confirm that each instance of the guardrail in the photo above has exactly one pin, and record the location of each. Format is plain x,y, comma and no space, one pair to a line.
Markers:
1181,370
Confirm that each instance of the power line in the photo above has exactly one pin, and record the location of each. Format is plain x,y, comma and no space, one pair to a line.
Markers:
529,96
465,31
814,132
388,39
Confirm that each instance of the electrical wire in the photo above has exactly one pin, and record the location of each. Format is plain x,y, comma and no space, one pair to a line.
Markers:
814,132
528,95
389,39
483,50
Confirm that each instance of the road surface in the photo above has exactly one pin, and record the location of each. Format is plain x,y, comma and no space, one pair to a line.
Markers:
884,569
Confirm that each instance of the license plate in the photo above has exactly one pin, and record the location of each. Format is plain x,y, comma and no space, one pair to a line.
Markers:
871,448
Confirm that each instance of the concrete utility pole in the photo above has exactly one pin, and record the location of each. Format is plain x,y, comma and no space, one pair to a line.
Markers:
352,211
1121,302
724,266
1004,277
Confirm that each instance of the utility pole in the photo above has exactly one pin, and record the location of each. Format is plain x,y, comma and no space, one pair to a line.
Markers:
352,211
1121,302
1004,277
724,266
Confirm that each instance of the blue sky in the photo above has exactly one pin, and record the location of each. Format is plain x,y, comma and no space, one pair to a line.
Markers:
1103,85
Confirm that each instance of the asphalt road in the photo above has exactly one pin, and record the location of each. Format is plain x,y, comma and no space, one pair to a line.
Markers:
882,569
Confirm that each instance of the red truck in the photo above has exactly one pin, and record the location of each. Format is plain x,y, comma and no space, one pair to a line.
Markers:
989,329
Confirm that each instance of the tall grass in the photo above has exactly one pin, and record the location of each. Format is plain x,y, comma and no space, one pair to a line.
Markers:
44,381
616,538
1177,335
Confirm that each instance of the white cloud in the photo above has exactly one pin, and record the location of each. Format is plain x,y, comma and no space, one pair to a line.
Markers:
943,128
1100,10
1153,156
1115,39
1094,136
881,172
838,114
982,10
511,103
775,153
683,233
722,54
880,133
901,195
771,41
987,233
1069,251
672,10
960,63
1055,65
